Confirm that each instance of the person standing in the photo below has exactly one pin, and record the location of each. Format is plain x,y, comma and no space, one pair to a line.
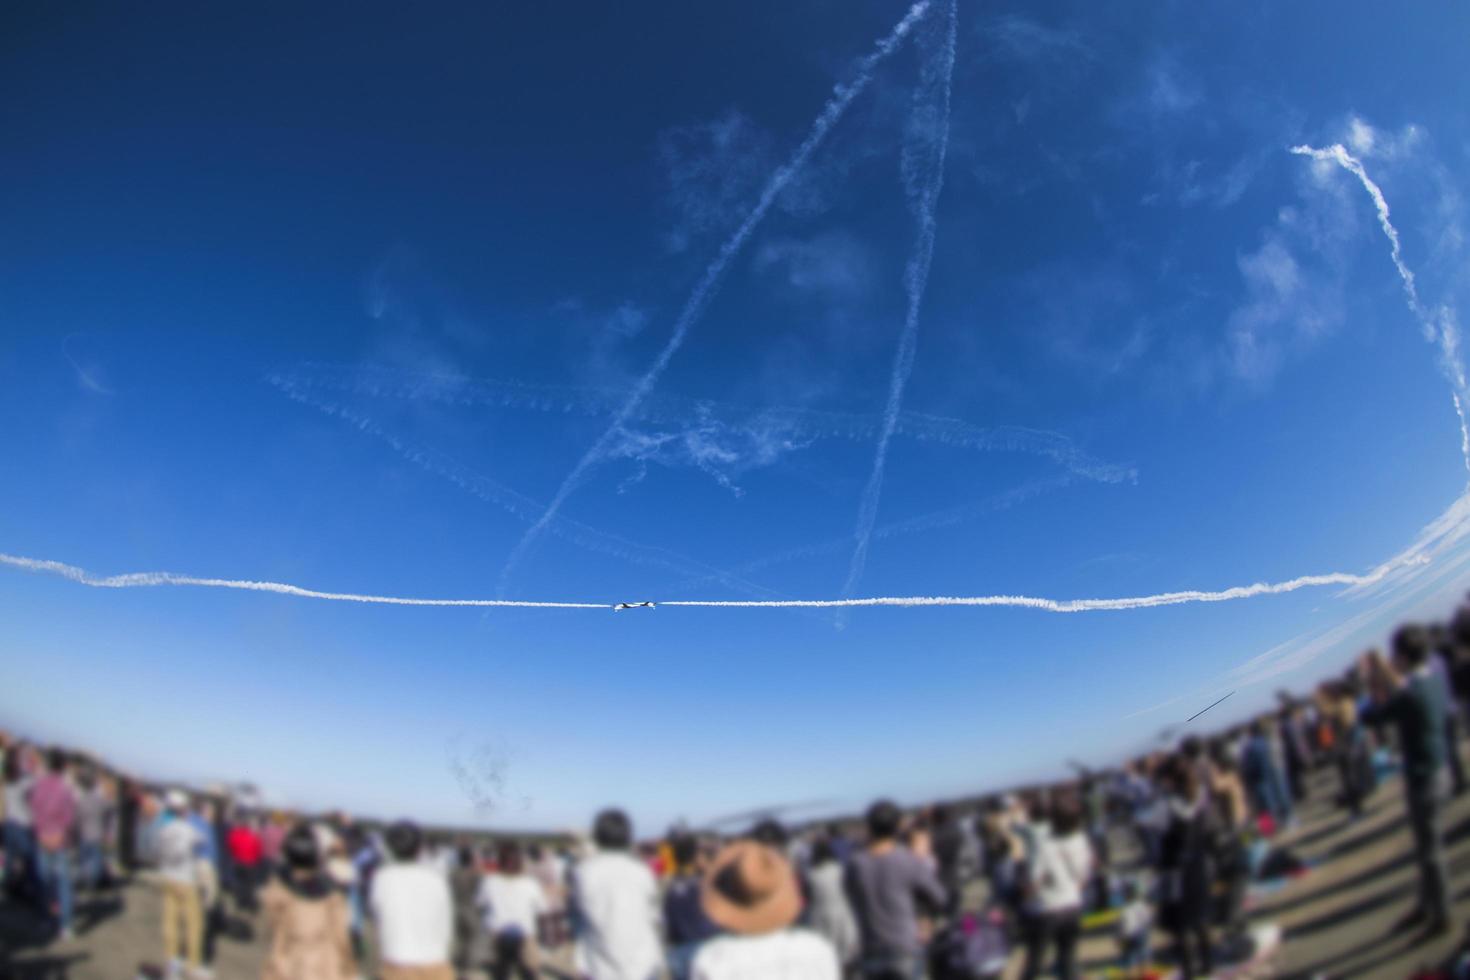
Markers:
464,889
947,842
615,906
53,805
413,910
1263,774
21,877
512,902
243,843
306,916
829,913
94,813
176,846
686,926
751,891
1060,869
1413,699
884,883
1185,871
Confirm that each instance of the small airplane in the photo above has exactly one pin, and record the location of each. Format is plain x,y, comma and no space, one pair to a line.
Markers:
634,605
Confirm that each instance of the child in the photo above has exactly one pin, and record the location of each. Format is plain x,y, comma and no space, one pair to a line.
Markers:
1135,926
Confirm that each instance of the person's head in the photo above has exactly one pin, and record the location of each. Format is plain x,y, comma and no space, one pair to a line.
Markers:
822,851
299,848
405,840
1258,727
834,830
884,819
750,889
465,858
941,814
1179,778
612,830
1191,748
176,801
1066,813
685,849
56,761
771,833
1220,755
1411,645
508,858
534,852
14,768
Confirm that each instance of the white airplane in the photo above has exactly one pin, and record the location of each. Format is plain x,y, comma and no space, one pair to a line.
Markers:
633,605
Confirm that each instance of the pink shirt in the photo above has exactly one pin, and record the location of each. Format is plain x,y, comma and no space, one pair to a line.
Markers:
272,835
53,807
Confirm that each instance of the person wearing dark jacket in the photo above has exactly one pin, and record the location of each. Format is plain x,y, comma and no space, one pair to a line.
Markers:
1185,868
884,882
1409,695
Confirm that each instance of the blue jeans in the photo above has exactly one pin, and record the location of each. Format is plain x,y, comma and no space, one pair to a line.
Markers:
90,864
56,877
20,852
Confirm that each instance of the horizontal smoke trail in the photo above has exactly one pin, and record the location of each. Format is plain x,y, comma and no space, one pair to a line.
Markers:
1446,333
798,423
925,163
135,580
705,289
150,579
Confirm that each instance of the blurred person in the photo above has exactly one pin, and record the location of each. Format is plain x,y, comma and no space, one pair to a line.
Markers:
94,814
1339,713
947,841
1185,868
1441,648
414,911
129,820
21,875
1059,871
1135,930
306,916
208,856
1408,695
512,902
1003,853
247,860
884,883
615,901
272,835
464,888
750,890
53,806
1263,775
176,844
1297,751
829,913
685,924
842,846
1231,827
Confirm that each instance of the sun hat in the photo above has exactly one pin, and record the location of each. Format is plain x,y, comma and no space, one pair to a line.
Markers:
750,889
176,799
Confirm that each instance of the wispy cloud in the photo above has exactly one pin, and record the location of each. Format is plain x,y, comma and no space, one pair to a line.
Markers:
1028,39
88,376
705,289
1283,306
833,264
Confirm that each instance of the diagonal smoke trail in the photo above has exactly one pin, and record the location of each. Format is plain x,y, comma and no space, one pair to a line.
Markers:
1440,328
151,579
926,164
704,290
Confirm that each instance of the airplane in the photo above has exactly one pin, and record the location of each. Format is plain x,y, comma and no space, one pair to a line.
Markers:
634,605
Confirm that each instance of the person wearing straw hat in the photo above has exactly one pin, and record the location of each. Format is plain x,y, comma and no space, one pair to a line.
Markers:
752,893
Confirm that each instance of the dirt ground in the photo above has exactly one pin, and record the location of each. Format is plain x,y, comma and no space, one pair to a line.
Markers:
1337,921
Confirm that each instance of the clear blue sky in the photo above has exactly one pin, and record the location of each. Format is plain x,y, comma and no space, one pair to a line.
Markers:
292,295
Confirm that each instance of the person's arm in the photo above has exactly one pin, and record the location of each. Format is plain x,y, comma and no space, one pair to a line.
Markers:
926,885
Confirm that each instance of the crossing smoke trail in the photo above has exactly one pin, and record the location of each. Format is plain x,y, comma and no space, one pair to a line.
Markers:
709,282
1446,332
796,423
151,579
924,178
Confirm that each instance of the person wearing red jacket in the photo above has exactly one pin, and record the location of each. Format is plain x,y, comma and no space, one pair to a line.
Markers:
246,852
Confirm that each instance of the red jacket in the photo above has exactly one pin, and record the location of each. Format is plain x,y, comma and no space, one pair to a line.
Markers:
244,846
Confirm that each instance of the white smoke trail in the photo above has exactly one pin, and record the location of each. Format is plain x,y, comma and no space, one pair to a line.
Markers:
151,579
798,423
703,291
1446,332
924,178
134,580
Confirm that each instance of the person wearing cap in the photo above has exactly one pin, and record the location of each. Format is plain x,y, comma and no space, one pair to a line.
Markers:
751,892
885,881
176,845
615,907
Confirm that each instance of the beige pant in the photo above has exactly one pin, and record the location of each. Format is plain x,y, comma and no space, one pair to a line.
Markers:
208,880
436,971
181,901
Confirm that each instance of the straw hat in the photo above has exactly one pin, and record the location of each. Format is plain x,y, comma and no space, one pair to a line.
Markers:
750,889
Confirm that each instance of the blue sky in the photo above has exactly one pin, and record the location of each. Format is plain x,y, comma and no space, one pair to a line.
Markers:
341,303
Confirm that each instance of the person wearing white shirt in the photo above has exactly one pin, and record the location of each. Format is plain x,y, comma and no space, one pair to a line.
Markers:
751,892
512,901
1061,867
414,912
616,907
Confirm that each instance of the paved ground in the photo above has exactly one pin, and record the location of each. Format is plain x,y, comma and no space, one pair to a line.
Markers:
1338,920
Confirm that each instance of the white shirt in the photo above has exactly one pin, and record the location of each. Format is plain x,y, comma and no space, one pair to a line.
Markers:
415,914
619,936
791,954
511,902
174,846
1061,868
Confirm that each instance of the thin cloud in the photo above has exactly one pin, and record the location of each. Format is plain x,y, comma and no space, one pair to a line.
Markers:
87,377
